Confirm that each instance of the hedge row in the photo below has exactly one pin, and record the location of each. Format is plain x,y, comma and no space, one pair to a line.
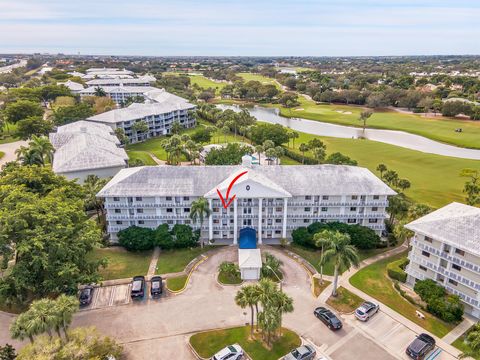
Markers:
298,157
395,270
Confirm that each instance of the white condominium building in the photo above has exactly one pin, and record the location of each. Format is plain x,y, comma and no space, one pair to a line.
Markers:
446,248
160,111
270,201
105,73
146,80
120,94
84,148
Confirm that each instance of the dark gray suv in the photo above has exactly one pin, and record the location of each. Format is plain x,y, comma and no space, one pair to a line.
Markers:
420,347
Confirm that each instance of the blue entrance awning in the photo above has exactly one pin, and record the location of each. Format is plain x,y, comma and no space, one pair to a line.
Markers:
247,239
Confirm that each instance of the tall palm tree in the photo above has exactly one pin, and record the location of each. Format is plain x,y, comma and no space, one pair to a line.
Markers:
294,135
27,156
246,297
42,146
283,304
99,92
199,210
65,306
364,115
92,185
381,168
259,149
303,148
343,254
42,317
19,329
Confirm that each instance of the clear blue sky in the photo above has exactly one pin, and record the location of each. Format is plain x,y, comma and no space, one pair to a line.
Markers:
243,27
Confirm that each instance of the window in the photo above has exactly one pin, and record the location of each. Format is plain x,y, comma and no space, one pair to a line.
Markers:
168,198
118,211
374,208
460,252
169,210
116,199
428,239
139,211
421,267
306,221
456,267
325,197
307,209
187,221
170,222
278,209
324,209
186,198
138,198
141,222
119,222
216,232
372,221
354,197
278,221
216,210
376,197
353,208
216,221
278,232
453,282
308,198
352,221
187,210
425,253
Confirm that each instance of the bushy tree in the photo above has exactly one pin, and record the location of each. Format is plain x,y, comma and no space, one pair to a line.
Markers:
136,238
340,159
67,114
228,155
163,237
22,109
447,307
184,236
34,125
274,132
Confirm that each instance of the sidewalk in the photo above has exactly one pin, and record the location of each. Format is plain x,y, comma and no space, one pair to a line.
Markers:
459,330
153,263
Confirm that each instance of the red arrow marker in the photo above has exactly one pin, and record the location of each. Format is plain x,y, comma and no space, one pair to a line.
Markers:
225,201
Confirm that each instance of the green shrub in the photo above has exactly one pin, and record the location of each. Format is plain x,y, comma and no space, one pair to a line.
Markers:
135,238
298,157
428,290
184,236
395,270
163,237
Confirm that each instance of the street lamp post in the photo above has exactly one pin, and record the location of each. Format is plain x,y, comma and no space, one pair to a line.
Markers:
280,280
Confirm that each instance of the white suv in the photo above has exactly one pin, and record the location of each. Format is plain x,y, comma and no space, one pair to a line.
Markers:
366,310
231,352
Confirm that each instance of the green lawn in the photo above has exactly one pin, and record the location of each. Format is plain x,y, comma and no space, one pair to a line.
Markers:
441,129
122,263
206,344
177,283
313,257
257,77
435,179
345,302
374,281
319,287
206,83
226,279
172,261
141,155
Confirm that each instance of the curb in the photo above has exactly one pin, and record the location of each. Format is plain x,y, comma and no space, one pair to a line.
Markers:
176,292
222,284
295,257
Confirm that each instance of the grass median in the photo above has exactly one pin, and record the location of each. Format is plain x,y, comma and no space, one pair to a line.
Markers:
177,283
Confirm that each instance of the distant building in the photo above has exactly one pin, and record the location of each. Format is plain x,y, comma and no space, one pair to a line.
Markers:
104,73
446,249
271,200
146,80
160,110
119,94
74,87
83,148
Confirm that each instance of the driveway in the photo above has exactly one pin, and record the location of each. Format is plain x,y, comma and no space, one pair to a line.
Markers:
9,150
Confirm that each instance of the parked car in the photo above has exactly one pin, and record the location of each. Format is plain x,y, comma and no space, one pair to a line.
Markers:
86,296
231,352
328,318
156,286
138,287
305,352
420,347
366,310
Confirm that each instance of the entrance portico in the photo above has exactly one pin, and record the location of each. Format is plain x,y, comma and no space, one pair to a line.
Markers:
254,197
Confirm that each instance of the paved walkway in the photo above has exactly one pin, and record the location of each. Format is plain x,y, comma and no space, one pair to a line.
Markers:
153,263
459,330
9,150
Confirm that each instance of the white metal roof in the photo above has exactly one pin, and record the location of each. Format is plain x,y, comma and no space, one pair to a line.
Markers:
72,85
249,258
455,224
297,180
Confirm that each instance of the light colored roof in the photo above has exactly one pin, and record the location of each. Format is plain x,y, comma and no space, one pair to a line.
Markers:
249,258
76,73
296,180
119,89
72,85
120,81
168,103
84,146
455,224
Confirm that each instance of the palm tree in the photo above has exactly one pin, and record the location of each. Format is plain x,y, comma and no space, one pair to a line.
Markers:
259,149
381,168
27,156
92,185
199,210
42,317
230,269
100,92
473,342
303,148
176,128
343,254
269,320
140,127
246,297
271,266
283,304
42,146
19,328
65,306
364,115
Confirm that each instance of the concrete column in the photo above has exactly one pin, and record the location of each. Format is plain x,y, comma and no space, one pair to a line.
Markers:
260,201
210,220
235,225
284,232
